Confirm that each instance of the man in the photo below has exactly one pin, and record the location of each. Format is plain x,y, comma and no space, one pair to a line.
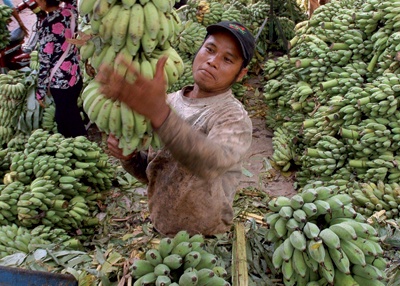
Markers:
206,133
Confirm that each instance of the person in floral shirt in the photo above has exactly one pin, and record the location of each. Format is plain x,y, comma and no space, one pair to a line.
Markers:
66,83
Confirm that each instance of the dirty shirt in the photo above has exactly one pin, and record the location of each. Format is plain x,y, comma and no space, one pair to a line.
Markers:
193,179
54,31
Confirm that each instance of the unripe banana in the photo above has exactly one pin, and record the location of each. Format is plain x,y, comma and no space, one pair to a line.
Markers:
316,250
120,29
153,256
340,260
353,252
165,246
151,20
173,261
136,24
208,260
298,240
141,267
344,231
108,22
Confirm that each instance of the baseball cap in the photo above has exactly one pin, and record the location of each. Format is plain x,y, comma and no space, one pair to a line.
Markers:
241,33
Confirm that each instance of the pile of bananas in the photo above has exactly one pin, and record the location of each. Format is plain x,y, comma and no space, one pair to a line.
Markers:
5,17
371,197
318,236
340,81
180,260
15,238
12,97
55,181
140,32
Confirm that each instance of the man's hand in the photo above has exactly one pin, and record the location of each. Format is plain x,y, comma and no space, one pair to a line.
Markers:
41,103
145,96
114,150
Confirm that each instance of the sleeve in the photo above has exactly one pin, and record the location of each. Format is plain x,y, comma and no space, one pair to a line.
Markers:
45,60
137,166
9,3
208,155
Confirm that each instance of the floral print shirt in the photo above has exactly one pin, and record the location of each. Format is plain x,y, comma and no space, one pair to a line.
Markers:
54,31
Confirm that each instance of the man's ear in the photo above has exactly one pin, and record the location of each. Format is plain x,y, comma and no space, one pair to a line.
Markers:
242,73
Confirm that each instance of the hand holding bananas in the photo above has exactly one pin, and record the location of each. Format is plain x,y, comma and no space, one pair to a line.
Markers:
115,150
143,95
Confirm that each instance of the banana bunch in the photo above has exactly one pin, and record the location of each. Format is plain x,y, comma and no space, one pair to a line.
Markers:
12,95
5,17
370,198
180,260
319,237
14,238
232,13
282,155
128,27
8,201
48,118
328,155
203,8
34,60
216,9
191,37
133,130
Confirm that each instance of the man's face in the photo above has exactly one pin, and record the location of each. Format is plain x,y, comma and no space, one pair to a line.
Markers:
218,63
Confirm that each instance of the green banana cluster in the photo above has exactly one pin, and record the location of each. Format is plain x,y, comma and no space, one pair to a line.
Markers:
370,198
5,17
48,118
283,155
320,238
112,116
191,37
130,29
55,181
180,260
12,97
34,60
214,14
14,238
140,32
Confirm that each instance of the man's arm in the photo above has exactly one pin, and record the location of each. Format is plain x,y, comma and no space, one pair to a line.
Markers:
20,23
135,163
210,155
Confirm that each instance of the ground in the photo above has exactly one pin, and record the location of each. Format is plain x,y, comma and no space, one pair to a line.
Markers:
258,172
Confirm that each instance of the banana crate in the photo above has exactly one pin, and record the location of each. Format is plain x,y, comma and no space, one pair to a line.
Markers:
13,276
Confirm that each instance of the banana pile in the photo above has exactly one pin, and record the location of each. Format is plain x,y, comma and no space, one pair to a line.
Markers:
5,17
370,198
14,238
319,237
180,260
55,181
12,97
140,32
340,81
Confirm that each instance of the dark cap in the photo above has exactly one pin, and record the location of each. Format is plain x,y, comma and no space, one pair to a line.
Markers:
241,33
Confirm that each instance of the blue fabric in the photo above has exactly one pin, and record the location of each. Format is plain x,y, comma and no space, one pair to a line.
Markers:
9,3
